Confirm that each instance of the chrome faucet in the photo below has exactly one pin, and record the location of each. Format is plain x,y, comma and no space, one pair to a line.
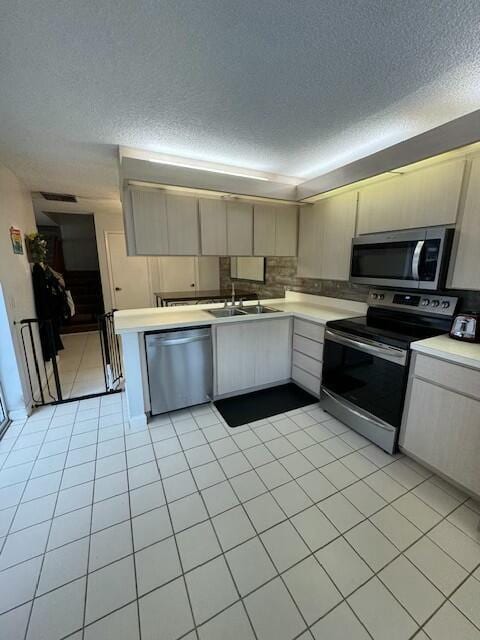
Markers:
233,294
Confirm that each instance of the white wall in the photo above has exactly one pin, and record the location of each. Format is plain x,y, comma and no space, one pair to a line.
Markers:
17,294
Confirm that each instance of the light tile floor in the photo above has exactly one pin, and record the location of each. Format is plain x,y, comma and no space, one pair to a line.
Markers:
80,365
293,527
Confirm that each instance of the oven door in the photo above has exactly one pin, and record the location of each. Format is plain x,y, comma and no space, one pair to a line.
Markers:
411,259
363,384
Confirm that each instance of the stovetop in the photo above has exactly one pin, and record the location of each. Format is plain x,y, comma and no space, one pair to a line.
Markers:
398,319
385,330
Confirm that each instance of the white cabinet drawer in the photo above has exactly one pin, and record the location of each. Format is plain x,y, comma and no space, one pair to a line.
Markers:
308,347
307,364
312,383
453,376
309,330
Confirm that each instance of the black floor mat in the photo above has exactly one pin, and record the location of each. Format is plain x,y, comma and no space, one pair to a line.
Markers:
258,405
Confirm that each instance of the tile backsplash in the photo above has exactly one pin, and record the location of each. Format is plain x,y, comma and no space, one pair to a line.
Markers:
281,273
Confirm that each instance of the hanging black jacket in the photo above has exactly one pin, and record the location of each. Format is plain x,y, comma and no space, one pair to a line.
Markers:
52,309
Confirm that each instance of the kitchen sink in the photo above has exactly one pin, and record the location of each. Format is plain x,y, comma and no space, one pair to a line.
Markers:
226,312
258,308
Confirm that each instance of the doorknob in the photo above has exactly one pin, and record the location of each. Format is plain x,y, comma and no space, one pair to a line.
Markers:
193,284
118,288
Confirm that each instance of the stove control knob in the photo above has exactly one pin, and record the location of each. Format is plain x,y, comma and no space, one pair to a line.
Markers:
425,302
374,296
445,304
435,303
381,296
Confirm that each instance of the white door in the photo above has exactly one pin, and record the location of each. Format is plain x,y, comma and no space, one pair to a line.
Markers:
177,273
129,275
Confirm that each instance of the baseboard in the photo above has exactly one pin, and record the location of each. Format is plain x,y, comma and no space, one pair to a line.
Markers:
138,421
19,414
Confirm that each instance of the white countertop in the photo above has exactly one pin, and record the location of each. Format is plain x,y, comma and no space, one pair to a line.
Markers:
308,307
456,351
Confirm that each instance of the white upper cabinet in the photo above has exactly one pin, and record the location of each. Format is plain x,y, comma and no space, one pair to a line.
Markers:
325,237
239,229
183,227
466,269
149,218
159,224
213,226
264,225
422,198
275,230
286,231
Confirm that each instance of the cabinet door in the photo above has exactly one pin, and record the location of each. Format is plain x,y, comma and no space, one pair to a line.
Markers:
337,221
466,269
443,429
286,231
149,222
264,223
273,356
309,263
422,198
239,229
213,227
183,227
325,237
235,357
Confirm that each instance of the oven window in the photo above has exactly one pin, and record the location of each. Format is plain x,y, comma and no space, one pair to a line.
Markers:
384,260
371,383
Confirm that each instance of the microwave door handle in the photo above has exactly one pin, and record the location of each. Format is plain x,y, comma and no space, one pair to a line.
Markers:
416,259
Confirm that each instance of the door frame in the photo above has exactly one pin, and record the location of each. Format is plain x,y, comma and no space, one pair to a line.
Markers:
107,235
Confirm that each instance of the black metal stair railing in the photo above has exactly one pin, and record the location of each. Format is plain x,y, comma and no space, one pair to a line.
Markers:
111,355
43,385
38,373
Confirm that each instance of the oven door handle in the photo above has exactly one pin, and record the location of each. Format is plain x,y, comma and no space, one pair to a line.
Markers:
386,352
361,414
416,259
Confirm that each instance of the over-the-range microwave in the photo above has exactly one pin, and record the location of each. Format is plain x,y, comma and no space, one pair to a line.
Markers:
413,259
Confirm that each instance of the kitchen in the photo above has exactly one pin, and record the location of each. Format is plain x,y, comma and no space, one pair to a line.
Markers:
394,361
425,273
285,202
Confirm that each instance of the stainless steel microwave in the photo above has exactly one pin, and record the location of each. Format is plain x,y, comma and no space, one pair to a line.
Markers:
413,259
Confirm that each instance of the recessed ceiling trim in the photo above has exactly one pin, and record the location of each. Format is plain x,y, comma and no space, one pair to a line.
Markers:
195,191
452,135
203,165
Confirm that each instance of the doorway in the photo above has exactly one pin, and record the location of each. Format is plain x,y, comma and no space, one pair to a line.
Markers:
72,252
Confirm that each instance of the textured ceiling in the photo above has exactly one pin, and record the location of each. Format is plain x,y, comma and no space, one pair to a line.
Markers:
296,87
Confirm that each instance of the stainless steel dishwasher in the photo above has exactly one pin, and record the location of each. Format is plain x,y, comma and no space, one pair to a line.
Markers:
180,370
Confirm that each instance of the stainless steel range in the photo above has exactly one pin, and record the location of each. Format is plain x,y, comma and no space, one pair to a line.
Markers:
366,360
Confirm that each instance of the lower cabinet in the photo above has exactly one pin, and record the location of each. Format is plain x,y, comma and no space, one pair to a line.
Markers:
251,354
442,429
307,354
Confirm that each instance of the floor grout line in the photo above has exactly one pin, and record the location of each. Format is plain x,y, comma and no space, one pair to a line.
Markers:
241,503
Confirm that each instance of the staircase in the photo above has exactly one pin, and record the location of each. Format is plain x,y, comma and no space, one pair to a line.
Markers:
86,290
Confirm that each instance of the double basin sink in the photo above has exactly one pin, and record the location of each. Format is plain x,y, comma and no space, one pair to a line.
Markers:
228,312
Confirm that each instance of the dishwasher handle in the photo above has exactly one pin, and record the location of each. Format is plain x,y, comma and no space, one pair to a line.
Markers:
170,342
